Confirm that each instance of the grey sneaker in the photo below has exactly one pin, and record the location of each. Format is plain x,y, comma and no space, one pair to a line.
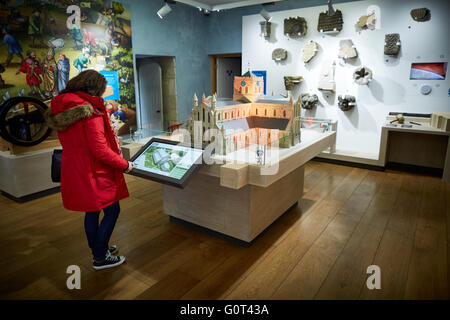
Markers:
109,262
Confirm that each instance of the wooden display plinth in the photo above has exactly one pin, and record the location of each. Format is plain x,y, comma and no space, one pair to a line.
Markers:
25,171
242,214
26,174
241,199
51,142
422,146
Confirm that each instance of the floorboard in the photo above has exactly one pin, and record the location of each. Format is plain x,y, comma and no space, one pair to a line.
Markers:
348,219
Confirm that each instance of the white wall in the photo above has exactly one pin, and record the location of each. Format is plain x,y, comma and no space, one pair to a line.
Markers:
359,130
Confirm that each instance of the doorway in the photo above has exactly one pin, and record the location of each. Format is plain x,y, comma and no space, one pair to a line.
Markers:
157,92
224,67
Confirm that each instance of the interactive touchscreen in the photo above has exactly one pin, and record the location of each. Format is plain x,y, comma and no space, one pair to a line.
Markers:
166,161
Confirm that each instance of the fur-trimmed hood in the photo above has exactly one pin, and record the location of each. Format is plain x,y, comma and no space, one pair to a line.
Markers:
64,119
69,108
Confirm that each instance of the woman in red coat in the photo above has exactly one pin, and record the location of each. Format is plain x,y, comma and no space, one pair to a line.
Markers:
92,165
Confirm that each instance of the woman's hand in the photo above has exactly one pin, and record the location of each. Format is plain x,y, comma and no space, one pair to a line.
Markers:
130,167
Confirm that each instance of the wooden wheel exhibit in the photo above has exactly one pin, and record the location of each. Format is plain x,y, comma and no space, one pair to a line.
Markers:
22,121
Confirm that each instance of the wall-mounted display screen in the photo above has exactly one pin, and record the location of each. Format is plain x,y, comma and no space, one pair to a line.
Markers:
167,161
428,71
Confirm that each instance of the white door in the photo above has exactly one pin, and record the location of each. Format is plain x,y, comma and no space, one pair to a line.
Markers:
150,94
227,69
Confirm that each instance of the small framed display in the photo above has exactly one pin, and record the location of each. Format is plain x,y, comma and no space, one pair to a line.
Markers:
166,161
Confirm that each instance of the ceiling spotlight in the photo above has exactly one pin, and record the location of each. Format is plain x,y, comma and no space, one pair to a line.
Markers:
164,11
206,12
266,15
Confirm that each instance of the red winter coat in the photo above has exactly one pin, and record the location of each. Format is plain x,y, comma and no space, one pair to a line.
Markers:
91,166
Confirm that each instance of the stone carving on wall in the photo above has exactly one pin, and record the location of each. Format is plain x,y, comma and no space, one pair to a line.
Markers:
347,50
329,23
295,27
290,82
367,22
421,14
266,28
362,75
346,102
326,77
309,101
392,44
309,51
279,54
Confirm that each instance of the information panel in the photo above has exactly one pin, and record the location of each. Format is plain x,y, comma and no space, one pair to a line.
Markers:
167,162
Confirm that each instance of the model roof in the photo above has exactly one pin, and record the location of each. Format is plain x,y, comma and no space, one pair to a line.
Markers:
222,104
253,122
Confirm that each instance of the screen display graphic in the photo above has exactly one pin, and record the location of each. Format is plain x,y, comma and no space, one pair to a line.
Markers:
428,71
168,160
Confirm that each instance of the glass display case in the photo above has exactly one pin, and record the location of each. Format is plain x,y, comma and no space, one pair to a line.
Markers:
143,135
317,124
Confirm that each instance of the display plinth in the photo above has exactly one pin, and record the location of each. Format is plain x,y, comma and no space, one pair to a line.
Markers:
242,214
239,199
26,174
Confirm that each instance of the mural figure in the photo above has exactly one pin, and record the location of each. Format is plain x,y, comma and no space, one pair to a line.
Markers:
120,114
77,37
33,70
14,47
49,74
89,41
81,62
63,72
35,29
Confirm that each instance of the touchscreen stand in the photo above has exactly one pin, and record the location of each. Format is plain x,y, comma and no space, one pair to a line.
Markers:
166,161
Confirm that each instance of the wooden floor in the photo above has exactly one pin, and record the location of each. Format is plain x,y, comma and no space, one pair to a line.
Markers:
348,219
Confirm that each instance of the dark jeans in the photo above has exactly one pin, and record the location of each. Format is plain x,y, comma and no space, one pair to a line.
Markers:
98,235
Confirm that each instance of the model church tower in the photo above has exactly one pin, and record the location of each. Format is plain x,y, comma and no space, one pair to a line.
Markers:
248,87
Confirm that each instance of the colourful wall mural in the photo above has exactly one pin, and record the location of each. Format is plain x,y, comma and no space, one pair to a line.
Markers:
44,43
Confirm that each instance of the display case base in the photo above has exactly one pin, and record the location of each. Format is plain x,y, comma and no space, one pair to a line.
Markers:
224,236
33,196
242,213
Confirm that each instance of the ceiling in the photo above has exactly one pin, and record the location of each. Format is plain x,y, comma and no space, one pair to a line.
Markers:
214,5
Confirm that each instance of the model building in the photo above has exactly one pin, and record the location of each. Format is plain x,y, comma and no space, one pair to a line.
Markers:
250,118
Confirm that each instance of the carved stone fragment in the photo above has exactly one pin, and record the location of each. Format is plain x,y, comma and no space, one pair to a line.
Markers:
266,28
362,75
309,101
326,77
367,22
330,23
371,21
346,102
295,27
392,44
309,51
421,14
279,54
347,49
290,82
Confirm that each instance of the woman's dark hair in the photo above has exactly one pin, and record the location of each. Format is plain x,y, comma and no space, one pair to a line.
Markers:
89,81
